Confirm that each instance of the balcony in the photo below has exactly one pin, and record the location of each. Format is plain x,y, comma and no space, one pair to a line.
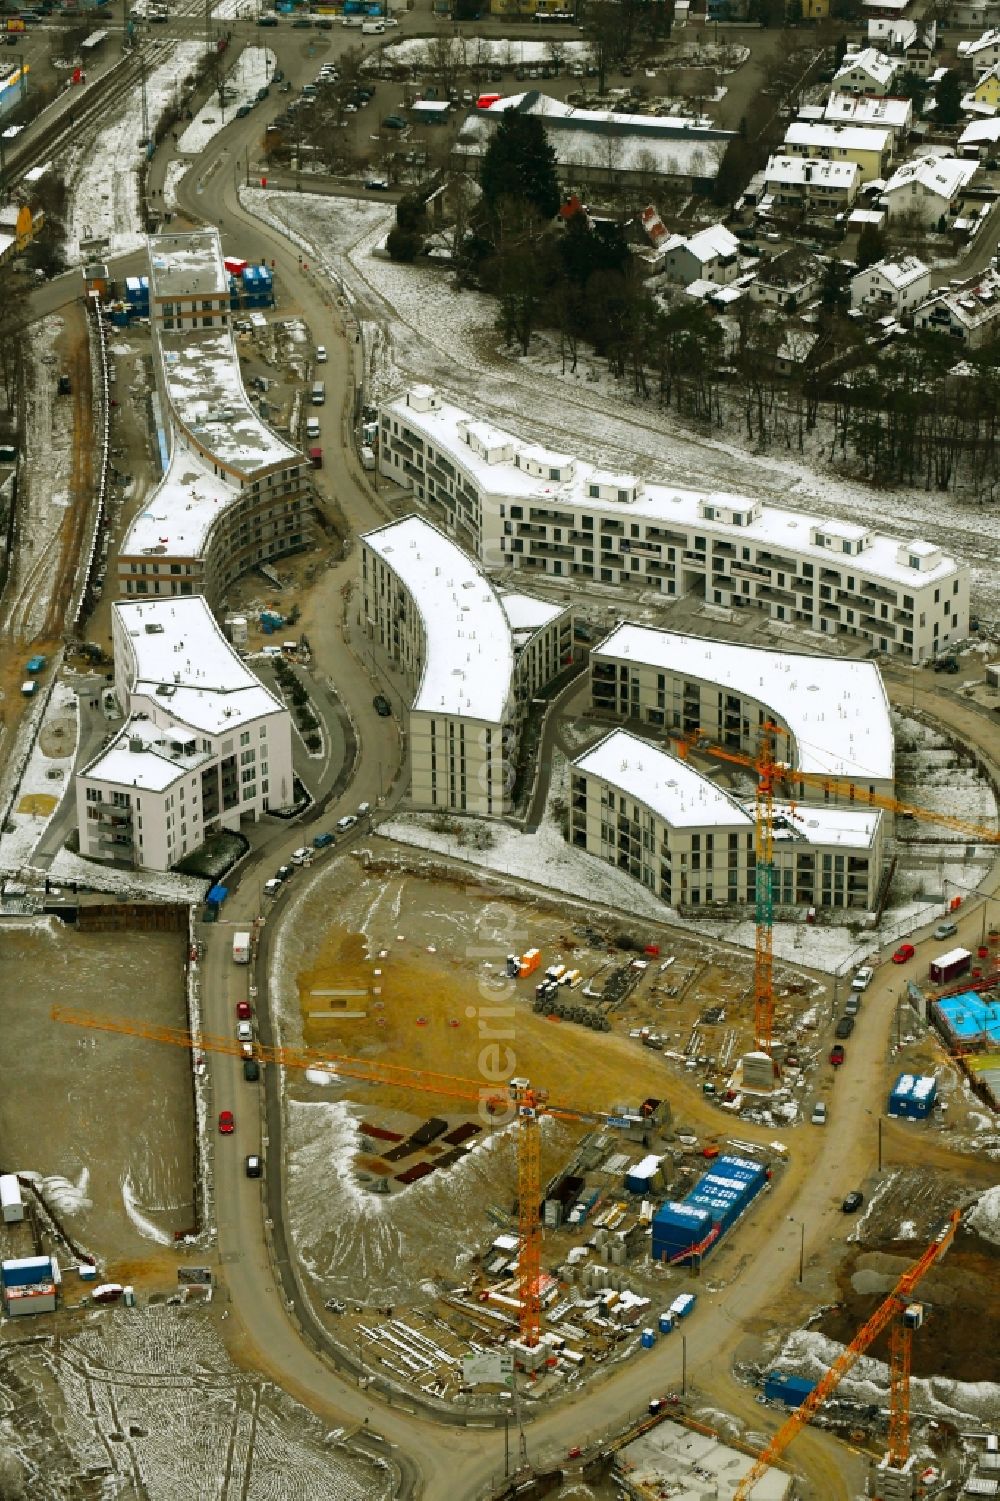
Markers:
530,529
695,559
551,550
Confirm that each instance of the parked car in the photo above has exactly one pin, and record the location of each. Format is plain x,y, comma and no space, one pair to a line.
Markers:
345,823
393,122
243,111
267,20
844,1027
904,953
323,841
321,354
852,1005
244,1011
946,930
854,1201
302,23
251,1070
837,1054
227,1123
255,1167
818,1117
272,887
382,705
283,872
363,809
324,24
301,856
863,978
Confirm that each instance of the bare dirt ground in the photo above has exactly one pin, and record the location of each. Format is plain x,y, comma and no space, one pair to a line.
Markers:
104,1120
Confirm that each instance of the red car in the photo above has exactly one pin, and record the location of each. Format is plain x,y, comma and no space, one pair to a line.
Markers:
903,953
837,1055
227,1125
244,1011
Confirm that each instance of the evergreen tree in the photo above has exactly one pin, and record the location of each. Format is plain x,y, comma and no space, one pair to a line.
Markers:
872,246
521,165
949,99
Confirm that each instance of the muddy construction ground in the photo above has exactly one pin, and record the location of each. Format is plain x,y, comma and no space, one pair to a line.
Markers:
106,1122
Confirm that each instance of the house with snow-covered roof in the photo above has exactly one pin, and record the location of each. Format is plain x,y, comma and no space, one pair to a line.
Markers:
513,504
970,314
865,72
204,747
891,286
234,493
868,109
710,255
979,139
870,146
928,188
984,97
691,842
473,657
796,182
983,53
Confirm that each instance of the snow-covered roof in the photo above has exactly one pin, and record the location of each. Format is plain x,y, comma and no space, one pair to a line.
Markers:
187,265
146,755
836,710
868,109
670,788
943,175
982,43
980,132
179,514
656,502
181,659
711,243
469,635
899,274
670,145
850,828
793,170
880,69
201,370
824,134
971,305
526,614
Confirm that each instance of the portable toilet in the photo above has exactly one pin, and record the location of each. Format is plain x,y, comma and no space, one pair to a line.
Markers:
11,1203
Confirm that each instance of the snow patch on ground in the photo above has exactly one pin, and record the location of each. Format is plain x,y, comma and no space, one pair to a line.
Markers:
143,1224
44,777
176,170
102,171
130,883
985,1218
251,72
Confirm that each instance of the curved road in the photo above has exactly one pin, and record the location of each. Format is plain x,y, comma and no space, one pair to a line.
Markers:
759,1268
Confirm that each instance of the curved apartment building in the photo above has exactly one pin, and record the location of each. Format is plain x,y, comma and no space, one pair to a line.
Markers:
514,504
472,658
234,494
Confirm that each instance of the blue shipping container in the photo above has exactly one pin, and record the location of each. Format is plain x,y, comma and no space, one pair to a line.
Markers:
26,1270
792,1390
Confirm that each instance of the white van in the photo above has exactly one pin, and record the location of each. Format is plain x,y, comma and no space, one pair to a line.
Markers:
318,394
312,427
372,28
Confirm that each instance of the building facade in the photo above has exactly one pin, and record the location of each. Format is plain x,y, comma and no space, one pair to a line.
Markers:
865,72
968,314
472,659
796,184
891,286
870,147
692,844
513,504
928,188
205,746
234,493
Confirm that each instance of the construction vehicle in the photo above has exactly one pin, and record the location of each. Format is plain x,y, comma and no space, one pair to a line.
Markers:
904,1316
774,776
522,1103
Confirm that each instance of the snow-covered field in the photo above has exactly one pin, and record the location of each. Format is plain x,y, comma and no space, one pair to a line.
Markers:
469,52
171,178
44,492
149,1401
102,172
250,72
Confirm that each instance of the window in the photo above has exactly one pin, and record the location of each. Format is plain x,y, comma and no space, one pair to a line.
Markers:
245,737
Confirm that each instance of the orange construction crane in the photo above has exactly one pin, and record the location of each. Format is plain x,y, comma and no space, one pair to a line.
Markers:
773,774
893,1308
528,1105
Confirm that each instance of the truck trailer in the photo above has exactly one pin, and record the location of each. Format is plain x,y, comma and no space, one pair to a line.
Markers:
950,965
241,948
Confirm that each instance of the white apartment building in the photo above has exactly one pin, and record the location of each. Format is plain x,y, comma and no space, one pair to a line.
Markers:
472,657
513,504
234,493
833,712
868,109
870,146
204,745
795,182
692,843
